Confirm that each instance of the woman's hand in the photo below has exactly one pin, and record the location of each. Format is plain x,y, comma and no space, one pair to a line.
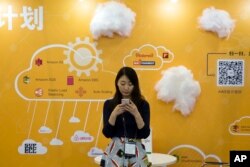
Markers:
119,109
131,107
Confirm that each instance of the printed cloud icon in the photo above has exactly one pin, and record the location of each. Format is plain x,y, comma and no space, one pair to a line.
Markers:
74,119
94,151
81,136
56,142
66,72
45,129
240,127
189,155
32,147
148,57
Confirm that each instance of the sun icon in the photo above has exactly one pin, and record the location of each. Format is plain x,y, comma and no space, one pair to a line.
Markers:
83,56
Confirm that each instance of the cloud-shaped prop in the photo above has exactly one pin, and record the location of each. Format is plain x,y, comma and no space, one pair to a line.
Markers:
218,21
94,151
177,84
32,147
112,17
81,136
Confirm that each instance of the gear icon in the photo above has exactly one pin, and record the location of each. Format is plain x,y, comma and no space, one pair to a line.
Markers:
83,56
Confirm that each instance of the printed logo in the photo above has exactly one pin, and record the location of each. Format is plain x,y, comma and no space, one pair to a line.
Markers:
148,63
239,158
235,128
70,80
38,62
137,62
140,62
26,79
80,91
165,55
39,92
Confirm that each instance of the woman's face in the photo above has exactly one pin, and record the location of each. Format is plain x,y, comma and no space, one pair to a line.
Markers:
125,86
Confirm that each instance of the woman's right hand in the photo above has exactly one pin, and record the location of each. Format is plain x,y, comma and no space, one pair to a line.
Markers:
119,109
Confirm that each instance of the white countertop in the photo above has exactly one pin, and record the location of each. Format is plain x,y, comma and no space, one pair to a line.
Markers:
157,159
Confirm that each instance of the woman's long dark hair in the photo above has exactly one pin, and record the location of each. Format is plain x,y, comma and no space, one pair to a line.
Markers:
136,95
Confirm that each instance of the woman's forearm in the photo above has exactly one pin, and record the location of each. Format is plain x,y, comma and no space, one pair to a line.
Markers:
112,119
139,121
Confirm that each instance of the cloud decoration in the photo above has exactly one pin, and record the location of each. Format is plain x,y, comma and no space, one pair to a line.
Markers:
56,142
74,119
218,21
95,151
112,17
81,136
177,84
44,129
32,147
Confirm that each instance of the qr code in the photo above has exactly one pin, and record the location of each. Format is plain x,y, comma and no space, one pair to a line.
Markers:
230,72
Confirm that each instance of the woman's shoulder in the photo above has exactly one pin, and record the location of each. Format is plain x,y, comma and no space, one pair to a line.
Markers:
108,102
144,102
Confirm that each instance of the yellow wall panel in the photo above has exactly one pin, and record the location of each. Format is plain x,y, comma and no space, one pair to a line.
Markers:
42,97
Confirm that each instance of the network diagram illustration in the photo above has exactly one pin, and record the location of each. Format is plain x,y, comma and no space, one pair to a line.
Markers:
74,73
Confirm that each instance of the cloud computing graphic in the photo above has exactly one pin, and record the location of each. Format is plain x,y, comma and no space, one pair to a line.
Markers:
240,127
73,74
190,155
63,73
148,57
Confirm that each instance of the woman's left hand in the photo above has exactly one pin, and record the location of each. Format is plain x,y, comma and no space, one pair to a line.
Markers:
131,107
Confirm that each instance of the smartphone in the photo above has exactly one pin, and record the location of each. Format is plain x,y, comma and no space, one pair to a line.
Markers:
125,101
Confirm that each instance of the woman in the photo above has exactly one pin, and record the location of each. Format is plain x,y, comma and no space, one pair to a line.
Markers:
126,120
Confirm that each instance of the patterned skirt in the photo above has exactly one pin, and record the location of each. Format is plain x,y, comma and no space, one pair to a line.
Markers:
114,156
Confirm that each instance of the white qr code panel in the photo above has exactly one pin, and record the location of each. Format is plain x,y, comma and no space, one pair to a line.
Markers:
230,72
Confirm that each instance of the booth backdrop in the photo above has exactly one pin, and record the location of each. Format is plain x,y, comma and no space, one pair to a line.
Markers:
51,98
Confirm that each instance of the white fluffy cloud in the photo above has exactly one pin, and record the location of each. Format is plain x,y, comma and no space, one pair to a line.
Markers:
218,21
177,84
112,17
